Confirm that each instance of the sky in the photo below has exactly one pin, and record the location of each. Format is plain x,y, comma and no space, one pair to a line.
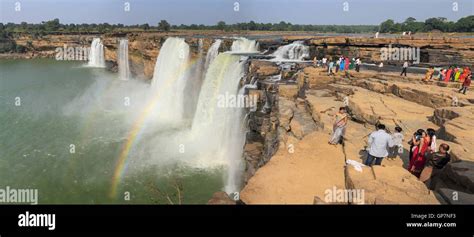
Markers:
209,12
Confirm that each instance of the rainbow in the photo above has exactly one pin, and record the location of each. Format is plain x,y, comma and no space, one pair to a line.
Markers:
135,132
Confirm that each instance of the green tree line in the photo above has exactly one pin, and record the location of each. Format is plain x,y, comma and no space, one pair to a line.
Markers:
465,24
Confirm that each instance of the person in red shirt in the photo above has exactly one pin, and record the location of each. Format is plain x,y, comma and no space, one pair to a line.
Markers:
466,84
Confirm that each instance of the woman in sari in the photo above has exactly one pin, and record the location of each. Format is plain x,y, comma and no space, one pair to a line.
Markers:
339,127
464,74
448,74
429,74
418,158
346,64
457,74
343,62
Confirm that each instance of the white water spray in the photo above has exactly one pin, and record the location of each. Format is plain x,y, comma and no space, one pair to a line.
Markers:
96,54
123,64
243,45
212,53
222,126
294,51
169,79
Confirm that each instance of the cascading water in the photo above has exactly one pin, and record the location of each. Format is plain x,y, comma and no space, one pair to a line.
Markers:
123,64
294,51
169,79
96,54
212,53
243,45
220,121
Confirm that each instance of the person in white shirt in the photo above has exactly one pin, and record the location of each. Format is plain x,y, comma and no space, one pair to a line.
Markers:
405,67
358,63
379,142
397,138
432,133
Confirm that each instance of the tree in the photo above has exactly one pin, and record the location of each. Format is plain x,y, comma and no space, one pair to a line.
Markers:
387,26
435,24
409,20
465,24
163,25
221,25
145,27
52,25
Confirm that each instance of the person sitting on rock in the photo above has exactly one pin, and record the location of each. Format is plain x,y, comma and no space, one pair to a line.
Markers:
435,163
429,74
379,142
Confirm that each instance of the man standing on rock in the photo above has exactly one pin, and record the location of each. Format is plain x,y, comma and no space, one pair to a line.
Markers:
405,67
379,142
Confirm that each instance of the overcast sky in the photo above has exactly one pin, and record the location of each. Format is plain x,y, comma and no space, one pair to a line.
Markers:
210,11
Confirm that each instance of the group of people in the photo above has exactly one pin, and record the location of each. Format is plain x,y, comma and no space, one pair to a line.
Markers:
343,63
452,74
425,158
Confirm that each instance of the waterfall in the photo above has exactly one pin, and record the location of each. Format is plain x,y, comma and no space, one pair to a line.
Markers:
96,55
294,51
123,64
212,53
222,126
243,45
169,79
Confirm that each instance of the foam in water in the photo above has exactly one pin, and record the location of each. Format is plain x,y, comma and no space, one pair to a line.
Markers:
243,45
170,78
123,64
294,51
96,55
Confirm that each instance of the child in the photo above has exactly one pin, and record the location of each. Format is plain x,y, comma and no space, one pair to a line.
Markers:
397,139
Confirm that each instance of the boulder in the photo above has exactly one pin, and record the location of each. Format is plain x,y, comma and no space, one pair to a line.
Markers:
285,109
389,185
289,91
461,173
263,69
302,124
221,198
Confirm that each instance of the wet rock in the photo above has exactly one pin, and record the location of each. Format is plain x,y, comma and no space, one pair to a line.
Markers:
221,198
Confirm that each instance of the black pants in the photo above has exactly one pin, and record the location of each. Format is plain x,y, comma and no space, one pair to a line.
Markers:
357,68
404,71
463,89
